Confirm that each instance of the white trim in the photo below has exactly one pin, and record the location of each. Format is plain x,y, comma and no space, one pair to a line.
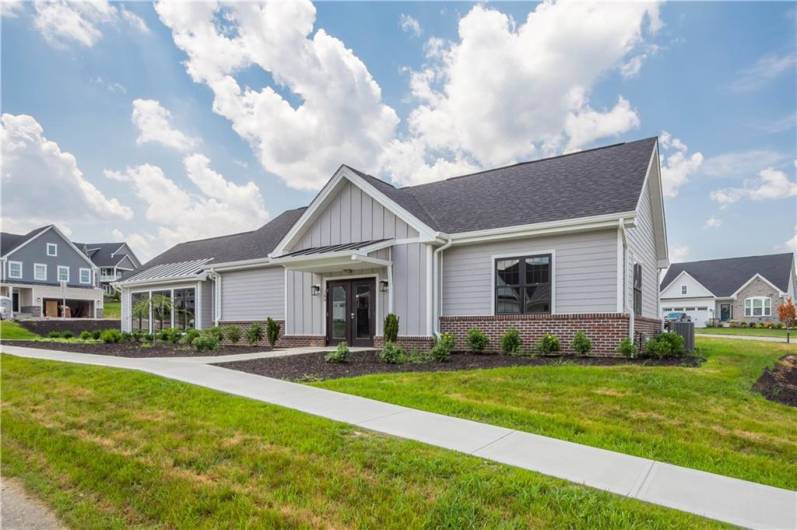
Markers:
62,236
523,254
429,291
198,306
285,301
58,273
748,282
159,281
54,246
45,272
764,306
620,268
693,279
21,272
325,280
80,276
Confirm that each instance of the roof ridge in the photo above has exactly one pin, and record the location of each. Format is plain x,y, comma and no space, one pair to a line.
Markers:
735,257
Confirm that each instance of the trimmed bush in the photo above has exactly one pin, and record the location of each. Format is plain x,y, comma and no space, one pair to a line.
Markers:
548,344
581,343
511,342
233,334
443,345
86,335
207,342
627,348
148,337
339,354
127,337
272,331
666,345
391,327
54,335
66,334
169,335
111,336
216,332
254,333
96,334
477,340
391,353
189,336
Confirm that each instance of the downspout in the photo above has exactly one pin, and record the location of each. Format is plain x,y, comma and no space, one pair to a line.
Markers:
216,277
438,279
631,315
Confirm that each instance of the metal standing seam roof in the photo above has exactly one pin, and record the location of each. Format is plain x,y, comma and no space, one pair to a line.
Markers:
333,248
170,271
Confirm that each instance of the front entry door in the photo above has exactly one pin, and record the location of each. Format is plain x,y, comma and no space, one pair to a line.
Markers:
725,312
351,312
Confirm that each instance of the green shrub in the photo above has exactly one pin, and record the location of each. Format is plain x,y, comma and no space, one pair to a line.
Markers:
66,334
443,345
169,335
127,337
272,331
96,334
54,334
216,332
148,337
111,336
581,343
477,340
666,345
511,342
254,333
391,353
189,336
206,342
86,335
777,325
548,344
627,348
339,354
233,334
391,327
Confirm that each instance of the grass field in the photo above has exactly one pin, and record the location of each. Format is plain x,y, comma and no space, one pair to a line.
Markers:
111,308
10,330
121,449
706,418
754,332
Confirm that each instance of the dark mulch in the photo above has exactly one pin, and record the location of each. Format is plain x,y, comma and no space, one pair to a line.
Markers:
128,349
75,325
779,383
312,366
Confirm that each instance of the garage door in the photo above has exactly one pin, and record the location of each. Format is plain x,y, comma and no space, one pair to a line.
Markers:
698,313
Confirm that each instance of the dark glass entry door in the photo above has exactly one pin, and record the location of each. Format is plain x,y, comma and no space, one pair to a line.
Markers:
725,312
350,311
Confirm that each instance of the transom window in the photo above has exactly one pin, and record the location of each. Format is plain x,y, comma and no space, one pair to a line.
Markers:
523,285
52,249
15,269
63,273
85,276
40,272
758,306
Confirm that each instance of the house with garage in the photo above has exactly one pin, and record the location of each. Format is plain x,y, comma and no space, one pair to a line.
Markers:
46,275
568,243
112,259
746,289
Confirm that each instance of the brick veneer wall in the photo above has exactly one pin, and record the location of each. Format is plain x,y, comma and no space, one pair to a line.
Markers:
606,330
284,341
408,343
645,329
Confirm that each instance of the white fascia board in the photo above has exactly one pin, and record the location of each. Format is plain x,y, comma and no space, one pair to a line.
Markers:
327,191
551,227
160,281
748,282
240,264
684,273
657,204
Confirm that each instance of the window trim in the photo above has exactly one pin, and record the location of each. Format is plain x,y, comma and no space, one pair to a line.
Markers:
518,255
36,278
80,275
58,273
766,306
21,272
53,246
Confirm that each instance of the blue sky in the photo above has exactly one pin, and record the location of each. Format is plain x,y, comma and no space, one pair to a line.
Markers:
118,112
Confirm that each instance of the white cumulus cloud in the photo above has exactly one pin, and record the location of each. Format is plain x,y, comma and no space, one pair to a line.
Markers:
154,125
770,184
791,244
409,24
712,222
765,70
35,171
678,253
676,164
62,22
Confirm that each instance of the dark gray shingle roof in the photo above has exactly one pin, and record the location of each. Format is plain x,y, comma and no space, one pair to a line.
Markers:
593,182
9,241
723,277
101,253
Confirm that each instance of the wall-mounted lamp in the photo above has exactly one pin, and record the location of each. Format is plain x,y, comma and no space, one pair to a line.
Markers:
315,290
383,285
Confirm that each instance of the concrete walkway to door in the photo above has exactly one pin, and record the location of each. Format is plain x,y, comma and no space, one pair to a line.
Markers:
718,497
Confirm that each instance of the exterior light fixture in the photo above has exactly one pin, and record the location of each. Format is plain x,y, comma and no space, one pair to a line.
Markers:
383,285
315,290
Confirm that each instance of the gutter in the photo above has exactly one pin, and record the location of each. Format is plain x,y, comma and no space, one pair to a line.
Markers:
436,288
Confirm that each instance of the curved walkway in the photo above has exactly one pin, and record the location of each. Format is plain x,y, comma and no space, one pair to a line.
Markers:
718,497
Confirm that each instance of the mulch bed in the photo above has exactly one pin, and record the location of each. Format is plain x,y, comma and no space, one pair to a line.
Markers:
312,366
75,325
128,349
779,383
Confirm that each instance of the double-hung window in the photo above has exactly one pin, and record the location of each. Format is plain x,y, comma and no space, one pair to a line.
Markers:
40,272
758,306
523,284
85,276
52,249
637,289
63,273
15,269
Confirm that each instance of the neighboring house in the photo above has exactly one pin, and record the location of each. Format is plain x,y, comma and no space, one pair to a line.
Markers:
747,289
45,274
113,259
569,243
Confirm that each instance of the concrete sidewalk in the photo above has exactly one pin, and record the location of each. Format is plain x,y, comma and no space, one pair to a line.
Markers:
781,340
718,497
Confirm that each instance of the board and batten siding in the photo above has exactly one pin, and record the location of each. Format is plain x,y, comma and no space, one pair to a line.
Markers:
253,294
207,310
585,272
642,250
409,288
351,216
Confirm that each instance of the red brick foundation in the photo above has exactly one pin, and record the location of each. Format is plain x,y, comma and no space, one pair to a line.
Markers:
299,341
284,341
645,329
408,343
606,330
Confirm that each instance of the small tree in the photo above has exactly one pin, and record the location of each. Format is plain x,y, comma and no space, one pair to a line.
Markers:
391,327
254,333
787,313
477,340
582,345
272,331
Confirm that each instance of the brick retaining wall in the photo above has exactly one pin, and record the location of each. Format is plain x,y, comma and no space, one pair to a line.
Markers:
408,343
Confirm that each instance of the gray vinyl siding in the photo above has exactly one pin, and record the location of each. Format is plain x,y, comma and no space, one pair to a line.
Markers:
352,216
207,316
642,249
36,252
585,272
253,294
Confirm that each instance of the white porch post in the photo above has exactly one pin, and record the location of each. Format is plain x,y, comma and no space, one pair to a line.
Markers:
430,283
198,306
11,295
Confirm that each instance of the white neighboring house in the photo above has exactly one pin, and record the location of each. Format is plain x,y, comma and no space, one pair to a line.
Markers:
746,289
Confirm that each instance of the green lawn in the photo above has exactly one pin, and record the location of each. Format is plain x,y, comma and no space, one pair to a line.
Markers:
756,332
116,449
706,418
111,308
10,330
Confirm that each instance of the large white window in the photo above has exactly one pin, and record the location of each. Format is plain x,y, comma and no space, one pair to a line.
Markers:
758,306
52,249
63,273
85,276
15,269
40,272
